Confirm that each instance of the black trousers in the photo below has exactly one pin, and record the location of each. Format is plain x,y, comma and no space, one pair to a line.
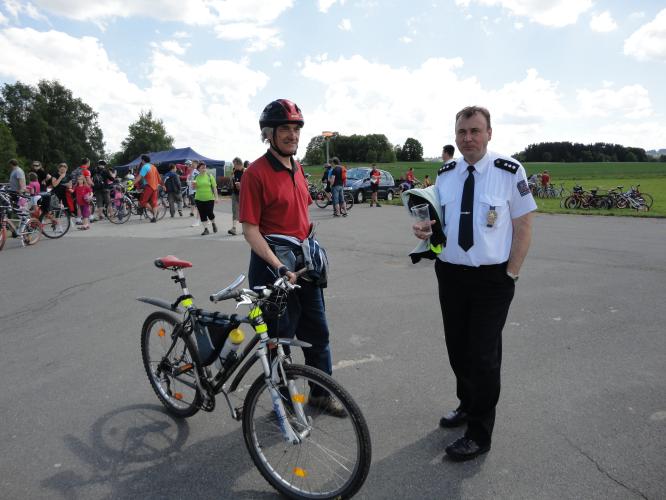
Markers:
475,303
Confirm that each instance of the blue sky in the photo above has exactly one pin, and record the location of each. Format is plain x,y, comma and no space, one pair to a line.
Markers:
576,70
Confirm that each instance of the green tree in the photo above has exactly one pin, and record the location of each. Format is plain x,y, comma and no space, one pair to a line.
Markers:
315,153
412,150
7,150
145,135
49,124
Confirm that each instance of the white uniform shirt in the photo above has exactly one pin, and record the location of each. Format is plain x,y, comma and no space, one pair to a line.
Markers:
494,187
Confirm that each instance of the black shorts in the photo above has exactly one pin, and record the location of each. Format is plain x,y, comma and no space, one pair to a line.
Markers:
374,188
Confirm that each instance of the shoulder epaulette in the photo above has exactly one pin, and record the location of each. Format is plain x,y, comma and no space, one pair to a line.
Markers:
446,167
508,165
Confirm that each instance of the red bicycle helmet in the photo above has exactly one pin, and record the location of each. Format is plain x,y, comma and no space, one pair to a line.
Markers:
280,112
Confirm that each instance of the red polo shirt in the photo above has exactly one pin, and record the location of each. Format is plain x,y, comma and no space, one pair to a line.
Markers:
275,198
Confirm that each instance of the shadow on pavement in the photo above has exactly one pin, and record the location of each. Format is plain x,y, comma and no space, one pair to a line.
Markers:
140,451
420,471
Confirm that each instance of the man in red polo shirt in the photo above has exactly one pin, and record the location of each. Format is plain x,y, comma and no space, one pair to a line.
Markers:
274,201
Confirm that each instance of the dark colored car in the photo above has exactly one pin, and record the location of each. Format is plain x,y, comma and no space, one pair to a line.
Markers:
358,181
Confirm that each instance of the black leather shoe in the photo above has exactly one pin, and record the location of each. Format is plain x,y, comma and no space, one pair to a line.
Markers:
453,419
465,449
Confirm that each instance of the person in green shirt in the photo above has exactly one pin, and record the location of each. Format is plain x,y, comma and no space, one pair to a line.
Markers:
205,197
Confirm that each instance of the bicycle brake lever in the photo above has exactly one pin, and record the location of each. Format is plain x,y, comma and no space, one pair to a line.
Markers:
245,300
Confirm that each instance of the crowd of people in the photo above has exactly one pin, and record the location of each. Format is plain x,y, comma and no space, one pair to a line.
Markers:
96,186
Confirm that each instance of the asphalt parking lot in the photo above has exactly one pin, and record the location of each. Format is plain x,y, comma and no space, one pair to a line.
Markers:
582,412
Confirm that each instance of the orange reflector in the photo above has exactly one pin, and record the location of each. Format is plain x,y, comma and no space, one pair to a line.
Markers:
178,395
298,398
300,472
161,332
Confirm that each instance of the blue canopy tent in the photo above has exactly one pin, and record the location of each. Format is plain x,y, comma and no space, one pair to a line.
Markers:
161,160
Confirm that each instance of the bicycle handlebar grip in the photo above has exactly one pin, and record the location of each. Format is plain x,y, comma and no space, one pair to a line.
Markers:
217,297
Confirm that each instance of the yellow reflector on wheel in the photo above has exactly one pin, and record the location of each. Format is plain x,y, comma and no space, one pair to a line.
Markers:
300,472
298,398
161,332
178,395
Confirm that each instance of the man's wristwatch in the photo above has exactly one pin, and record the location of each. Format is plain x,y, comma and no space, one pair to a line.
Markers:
282,271
514,277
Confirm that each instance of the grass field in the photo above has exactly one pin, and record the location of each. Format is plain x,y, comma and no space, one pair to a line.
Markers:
650,176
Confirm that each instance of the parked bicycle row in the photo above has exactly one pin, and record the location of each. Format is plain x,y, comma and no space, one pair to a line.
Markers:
612,198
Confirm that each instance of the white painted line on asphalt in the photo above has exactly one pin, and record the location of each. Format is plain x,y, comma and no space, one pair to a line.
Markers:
346,363
658,415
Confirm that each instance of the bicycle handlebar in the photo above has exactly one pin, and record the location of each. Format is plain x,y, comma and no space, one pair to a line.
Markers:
233,292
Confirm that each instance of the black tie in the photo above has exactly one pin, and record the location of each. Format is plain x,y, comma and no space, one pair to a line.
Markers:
465,231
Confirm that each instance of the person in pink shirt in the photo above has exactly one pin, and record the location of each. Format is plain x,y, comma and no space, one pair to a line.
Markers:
83,194
33,187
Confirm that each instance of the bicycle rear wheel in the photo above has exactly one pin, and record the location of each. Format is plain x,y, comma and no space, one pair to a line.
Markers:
332,460
58,224
32,232
321,200
349,200
171,375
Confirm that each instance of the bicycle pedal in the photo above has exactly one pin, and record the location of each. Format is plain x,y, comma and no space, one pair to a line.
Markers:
207,404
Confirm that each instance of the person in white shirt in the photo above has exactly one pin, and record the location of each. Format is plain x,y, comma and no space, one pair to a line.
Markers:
486,213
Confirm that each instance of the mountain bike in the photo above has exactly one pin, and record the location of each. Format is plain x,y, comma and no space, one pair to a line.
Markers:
28,229
301,450
323,199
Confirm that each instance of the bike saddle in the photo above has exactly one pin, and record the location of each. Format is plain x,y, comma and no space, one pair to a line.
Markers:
171,262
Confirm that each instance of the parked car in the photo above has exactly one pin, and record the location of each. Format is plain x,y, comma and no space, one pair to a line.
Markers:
358,181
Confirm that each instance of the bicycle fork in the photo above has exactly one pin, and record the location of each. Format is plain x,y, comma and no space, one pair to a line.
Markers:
272,376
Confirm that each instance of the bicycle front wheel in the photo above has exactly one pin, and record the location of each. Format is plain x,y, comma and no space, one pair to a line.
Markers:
171,372
119,211
162,208
333,458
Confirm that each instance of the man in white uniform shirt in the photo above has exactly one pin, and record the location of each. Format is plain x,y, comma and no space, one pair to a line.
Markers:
487,221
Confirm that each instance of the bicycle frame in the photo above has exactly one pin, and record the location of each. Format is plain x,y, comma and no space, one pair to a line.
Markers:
261,343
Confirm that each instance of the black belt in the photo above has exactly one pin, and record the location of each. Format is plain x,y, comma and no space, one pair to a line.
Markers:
485,267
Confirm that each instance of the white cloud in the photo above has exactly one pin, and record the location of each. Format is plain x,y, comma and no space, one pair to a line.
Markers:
518,25
345,25
253,16
277,64
631,101
174,47
369,97
405,39
649,41
16,9
554,13
181,34
324,5
3,19
603,22
191,99
260,37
